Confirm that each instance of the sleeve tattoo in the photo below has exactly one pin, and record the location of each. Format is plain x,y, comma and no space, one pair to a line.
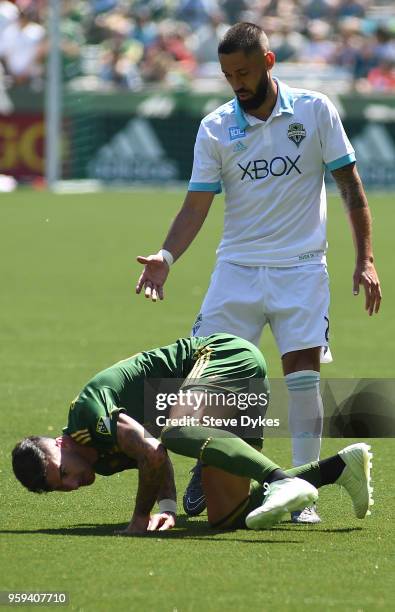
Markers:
350,187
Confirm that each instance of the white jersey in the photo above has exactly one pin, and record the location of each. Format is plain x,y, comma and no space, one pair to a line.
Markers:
273,176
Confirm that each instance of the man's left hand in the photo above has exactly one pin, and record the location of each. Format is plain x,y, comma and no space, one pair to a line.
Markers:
141,525
137,526
162,521
365,274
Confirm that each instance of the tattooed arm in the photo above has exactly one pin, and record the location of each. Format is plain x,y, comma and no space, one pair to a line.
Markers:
152,462
357,208
166,517
168,488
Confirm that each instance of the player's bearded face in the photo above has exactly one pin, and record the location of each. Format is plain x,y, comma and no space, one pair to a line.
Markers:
250,100
248,76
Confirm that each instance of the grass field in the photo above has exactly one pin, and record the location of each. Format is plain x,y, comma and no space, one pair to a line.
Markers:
68,308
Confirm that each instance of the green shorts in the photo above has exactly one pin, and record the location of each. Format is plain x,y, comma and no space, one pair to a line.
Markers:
230,365
227,362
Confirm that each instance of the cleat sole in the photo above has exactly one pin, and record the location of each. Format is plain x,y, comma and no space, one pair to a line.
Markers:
368,456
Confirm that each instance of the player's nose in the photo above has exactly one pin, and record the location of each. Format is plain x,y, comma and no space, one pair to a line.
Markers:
237,84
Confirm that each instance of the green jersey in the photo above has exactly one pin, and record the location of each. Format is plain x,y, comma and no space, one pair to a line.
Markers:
94,413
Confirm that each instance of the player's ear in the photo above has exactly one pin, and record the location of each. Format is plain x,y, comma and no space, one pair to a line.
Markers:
270,59
63,441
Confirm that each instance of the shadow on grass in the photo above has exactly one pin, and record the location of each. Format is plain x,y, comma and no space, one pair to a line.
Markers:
342,530
186,529
289,527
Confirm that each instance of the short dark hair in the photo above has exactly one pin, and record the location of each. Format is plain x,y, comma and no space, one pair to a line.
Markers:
243,36
29,462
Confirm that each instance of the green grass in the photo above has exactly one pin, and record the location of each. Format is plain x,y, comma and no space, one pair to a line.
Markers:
67,309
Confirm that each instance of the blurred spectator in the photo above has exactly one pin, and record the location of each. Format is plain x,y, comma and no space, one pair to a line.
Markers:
287,43
127,43
349,44
382,78
119,62
374,50
73,39
169,60
101,6
385,46
8,14
366,58
23,47
319,9
172,39
196,12
156,65
319,47
233,9
144,29
350,8
204,42
158,9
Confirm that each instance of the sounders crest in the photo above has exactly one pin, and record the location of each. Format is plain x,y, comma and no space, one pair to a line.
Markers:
296,133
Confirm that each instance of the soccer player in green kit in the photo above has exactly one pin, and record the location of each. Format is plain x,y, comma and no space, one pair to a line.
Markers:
106,434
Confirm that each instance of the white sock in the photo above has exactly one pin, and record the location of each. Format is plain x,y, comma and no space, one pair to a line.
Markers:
305,415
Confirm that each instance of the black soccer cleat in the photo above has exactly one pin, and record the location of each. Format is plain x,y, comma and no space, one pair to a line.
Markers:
194,500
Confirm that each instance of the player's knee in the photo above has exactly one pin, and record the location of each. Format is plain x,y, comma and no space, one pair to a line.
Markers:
304,359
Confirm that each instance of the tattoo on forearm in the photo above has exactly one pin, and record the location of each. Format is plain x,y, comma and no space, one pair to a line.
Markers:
350,187
133,444
168,488
149,482
150,464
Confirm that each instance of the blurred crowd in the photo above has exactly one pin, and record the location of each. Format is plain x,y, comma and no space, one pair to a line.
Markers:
130,44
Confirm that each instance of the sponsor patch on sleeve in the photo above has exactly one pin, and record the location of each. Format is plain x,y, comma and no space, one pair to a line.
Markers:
235,133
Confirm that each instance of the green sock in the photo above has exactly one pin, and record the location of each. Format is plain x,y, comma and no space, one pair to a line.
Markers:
219,449
320,473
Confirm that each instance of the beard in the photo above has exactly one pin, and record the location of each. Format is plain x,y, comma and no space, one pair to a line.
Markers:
259,96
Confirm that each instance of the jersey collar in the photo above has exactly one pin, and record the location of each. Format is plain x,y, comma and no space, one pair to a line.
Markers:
284,104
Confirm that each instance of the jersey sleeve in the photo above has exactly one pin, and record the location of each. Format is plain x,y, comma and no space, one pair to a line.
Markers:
206,171
337,150
93,419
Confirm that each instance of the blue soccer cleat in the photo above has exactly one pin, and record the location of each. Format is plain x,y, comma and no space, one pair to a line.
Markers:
194,500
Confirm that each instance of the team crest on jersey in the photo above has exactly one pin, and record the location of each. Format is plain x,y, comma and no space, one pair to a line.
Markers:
296,133
103,426
236,132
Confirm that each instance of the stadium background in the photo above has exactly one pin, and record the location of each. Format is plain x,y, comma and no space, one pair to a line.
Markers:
136,79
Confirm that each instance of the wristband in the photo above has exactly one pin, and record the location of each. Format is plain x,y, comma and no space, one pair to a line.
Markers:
167,256
168,505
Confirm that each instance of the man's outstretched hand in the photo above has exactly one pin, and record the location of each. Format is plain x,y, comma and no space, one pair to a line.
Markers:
153,277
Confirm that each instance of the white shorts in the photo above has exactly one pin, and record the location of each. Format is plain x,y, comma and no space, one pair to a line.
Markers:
294,301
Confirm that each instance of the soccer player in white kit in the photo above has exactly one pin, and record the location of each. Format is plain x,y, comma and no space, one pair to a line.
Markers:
268,149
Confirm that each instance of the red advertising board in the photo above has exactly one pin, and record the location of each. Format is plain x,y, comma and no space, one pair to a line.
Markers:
22,145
